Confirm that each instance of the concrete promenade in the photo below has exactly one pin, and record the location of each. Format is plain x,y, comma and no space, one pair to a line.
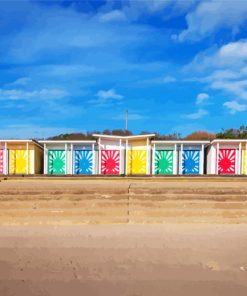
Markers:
69,201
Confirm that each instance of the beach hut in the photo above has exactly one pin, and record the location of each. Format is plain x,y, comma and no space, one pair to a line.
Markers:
227,157
20,157
110,154
124,154
178,157
164,158
138,154
69,157
192,157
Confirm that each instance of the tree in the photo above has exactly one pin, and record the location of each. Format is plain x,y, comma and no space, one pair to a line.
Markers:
200,135
232,133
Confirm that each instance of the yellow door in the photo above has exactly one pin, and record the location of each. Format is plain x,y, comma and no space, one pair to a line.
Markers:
137,162
21,161
244,162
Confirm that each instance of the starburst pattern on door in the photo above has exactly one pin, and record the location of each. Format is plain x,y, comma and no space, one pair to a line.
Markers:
244,162
1,161
83,161
56,162
137,162
227,161
21,161
163,164
190,162
110,162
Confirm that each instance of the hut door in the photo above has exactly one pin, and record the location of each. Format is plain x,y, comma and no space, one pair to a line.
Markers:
244,162
1,161
163,162
83,162
191,162
56,162
227,161
19,162
110,162
137,162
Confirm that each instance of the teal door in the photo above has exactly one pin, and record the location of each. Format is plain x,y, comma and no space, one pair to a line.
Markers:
56,162
163,162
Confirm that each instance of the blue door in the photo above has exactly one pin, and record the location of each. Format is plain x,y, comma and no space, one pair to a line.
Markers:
83,162
191,162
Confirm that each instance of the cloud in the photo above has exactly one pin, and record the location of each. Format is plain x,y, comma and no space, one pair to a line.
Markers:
169,79
44,94
234,107
157,80
228,56
225,67
32,131
197,115
238,88
105,97
136,9
20,81
112,16
202,97
108,94
210,16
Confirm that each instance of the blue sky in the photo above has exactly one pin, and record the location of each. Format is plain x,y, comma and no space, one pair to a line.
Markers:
75,66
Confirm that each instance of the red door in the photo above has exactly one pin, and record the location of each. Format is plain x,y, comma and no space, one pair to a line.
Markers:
110,160
1,161
227,161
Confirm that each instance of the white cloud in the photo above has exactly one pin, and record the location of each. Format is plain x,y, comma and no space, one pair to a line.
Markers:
209,16
169,79
225,67
157,80
229,56
238,88
112,16
202,97
20,81
31,131
108,94
16,94
196,115
134,9
105,97
234,107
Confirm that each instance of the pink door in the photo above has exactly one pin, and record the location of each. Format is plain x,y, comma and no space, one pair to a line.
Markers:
110,162
227,161
1,161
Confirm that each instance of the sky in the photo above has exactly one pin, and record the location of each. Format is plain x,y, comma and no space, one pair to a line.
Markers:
177,66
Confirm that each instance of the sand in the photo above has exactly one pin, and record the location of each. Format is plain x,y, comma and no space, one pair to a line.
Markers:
114,237
123,260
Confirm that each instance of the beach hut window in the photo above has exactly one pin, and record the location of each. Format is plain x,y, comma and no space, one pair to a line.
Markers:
163,162
56,162
110,162
137,161
191,162
227,161
83,162
1,161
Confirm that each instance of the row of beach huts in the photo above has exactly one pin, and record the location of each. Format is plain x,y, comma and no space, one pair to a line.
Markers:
123,155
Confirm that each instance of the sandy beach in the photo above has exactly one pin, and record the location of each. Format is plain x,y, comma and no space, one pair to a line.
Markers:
123,237
123,260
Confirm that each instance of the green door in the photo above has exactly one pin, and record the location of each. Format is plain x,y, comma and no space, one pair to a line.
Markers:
56,162
163,163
